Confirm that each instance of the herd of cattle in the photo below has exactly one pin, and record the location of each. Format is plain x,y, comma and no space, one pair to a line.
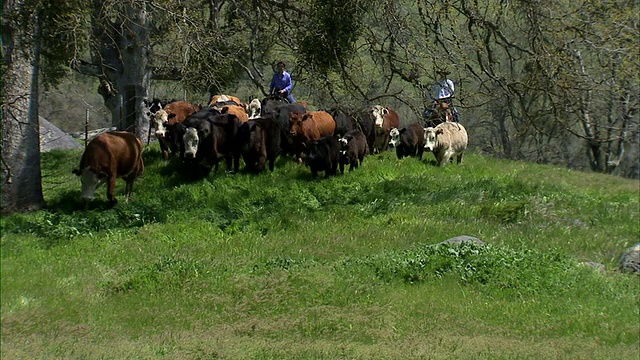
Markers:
259,132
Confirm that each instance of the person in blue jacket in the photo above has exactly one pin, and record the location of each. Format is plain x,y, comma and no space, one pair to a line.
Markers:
281,83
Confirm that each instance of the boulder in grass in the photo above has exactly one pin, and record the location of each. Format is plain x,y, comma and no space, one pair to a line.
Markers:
462,239
595,265
52,138
630,260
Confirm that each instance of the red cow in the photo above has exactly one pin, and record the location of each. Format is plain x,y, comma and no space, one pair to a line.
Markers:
308,127
164,120
107,157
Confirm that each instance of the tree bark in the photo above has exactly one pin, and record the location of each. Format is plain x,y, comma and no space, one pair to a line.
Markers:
123,55
21,173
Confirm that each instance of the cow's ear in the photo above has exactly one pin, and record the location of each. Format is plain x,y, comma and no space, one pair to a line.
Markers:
224,110
402,130
78,172
385,111
171,115
439,131
348,137
307,116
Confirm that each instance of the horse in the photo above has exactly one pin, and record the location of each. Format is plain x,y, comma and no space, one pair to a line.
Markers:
441,112
271,102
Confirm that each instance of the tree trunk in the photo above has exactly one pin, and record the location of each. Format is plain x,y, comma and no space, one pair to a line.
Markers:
21,174
123,56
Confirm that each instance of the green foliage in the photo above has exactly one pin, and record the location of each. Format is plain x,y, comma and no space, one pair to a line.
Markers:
332,31
65,37
503,271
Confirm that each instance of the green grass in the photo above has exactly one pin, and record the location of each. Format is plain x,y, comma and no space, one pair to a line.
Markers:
282,266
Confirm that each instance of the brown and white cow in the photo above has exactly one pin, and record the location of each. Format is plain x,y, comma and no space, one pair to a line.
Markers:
222,100
109,156
446,140
307,127
385,119
164,120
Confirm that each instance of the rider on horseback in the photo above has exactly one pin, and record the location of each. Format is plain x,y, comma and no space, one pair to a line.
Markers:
281,83
442,91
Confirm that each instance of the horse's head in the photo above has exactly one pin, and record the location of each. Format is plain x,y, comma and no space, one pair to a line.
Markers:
443,112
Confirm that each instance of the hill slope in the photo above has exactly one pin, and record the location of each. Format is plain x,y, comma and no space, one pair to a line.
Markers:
284,266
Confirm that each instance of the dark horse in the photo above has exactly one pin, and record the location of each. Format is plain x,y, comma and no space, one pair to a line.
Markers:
440,112
268,104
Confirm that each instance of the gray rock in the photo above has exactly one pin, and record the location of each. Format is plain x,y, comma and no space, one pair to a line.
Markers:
52,138
463,239
630,260
595,265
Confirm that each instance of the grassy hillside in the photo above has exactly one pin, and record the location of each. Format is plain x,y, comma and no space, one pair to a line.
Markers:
282,266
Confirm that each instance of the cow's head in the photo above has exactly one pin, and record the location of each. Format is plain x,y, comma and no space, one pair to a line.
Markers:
295,122
161,121
152,107
378,112
431,138
314,150
190,139
90,182
344,146
254,108
395,136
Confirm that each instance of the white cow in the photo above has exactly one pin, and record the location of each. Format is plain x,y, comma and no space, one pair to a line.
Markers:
254,108
446,140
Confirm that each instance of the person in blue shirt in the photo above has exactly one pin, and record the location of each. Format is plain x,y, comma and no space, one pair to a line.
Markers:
281,83
443,90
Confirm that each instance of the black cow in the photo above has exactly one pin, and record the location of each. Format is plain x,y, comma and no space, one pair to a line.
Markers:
206,136
281,116
367,124
408,141
344,122
353,149
324,156
259,140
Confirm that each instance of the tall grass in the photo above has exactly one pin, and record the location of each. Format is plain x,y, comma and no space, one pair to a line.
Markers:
280,265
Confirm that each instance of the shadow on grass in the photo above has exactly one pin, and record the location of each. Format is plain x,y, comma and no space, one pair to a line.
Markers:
67,217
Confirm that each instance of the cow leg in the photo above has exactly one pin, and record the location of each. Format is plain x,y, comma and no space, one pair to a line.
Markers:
111,189
129,188
236,162
260,165
272,163
459,159
446,157
164,148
